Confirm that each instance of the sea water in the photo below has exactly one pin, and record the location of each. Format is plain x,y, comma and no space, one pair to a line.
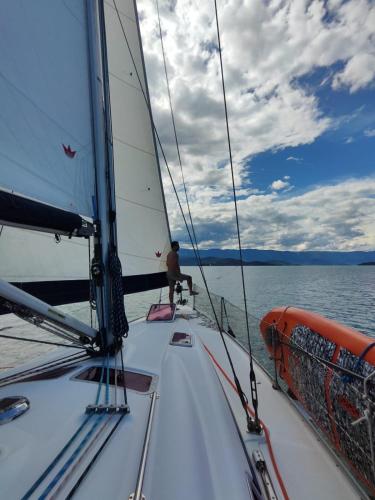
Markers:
343,293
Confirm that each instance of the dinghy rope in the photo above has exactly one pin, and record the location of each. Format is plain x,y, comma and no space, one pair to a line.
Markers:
253,424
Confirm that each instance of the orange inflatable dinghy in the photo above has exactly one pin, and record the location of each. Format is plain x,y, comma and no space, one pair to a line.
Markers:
330,369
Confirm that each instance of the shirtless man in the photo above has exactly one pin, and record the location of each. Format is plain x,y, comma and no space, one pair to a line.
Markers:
174,273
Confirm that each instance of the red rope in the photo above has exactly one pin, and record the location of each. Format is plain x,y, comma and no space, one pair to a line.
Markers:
266,431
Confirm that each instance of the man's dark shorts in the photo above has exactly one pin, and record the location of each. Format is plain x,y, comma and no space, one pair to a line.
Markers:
173,277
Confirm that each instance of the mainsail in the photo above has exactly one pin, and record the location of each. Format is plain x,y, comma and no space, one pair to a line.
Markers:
59,272
46,146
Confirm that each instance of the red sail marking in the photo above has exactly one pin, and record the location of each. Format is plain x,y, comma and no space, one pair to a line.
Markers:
68,151
158,254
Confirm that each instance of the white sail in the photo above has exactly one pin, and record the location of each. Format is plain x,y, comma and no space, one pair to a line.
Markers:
143,232
27,256
46,147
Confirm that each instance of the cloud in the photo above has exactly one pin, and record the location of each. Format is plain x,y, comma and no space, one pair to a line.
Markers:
279,184
333,217
358,73
286,177
370,132
268,47
349,140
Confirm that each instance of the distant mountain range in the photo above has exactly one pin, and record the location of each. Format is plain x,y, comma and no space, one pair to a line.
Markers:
252,257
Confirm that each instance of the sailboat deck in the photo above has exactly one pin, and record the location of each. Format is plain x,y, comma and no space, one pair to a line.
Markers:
195,446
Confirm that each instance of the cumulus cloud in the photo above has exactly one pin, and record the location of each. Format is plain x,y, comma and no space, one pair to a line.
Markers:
337,216
268,47
279,184
370,132
357,74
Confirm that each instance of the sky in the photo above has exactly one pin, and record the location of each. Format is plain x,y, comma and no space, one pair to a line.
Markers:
300,84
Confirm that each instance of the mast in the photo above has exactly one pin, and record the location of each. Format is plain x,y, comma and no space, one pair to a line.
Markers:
105,238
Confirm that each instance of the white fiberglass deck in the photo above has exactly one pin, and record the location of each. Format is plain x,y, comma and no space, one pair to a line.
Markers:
195,447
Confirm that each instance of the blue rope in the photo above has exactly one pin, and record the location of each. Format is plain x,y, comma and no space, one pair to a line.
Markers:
107,383
349,378
54,462
69,462
62,452
100,383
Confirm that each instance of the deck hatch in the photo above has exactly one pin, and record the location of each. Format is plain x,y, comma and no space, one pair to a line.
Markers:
161,312
181,339
136,381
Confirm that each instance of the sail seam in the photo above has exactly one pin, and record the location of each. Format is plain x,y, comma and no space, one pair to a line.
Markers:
139,257
28,169
48,236
125,82
140,204
19,91
134,147
43,278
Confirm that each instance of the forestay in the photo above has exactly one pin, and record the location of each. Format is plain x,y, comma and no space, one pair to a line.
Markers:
46,147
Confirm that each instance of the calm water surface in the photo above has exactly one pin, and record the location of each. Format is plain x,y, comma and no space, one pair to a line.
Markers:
343,293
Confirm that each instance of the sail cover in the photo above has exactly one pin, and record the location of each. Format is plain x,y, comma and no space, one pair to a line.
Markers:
46,147
142,225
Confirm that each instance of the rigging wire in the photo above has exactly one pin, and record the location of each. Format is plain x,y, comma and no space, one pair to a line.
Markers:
253,385
27,339
241,394
69,360
196,249
176,137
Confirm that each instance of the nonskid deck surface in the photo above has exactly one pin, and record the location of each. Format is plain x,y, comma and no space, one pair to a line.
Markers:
195,451
195,448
